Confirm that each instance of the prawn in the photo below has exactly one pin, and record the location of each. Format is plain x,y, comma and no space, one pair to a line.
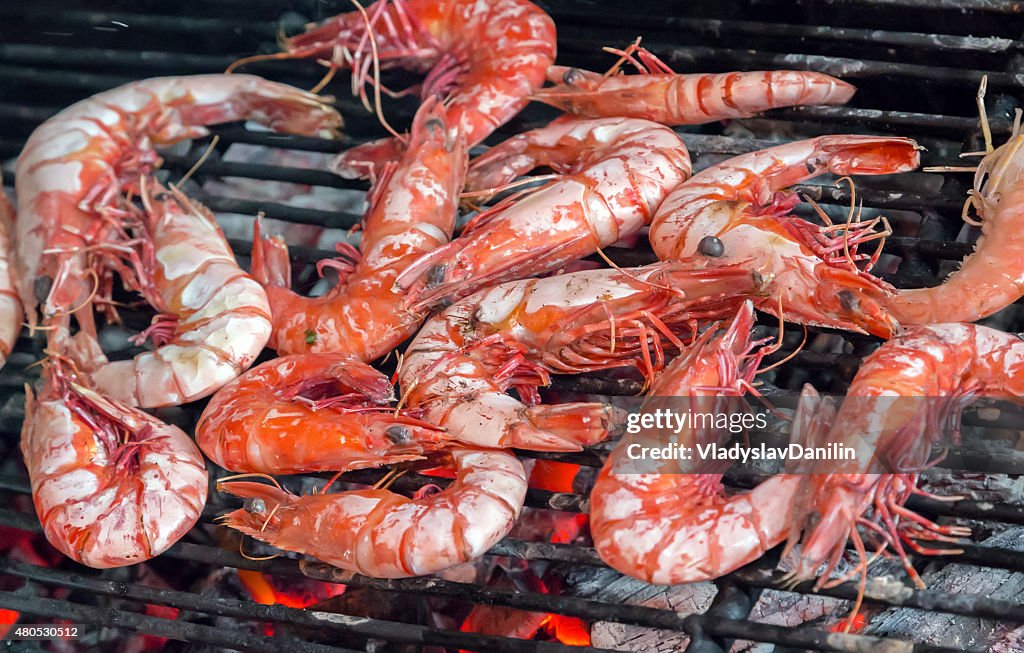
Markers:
76,166
666,527
213,319
458,367
614,172
10,305
907,394
661,95
112,486
487,57
730,214
992,277
378,533
412,212
310,412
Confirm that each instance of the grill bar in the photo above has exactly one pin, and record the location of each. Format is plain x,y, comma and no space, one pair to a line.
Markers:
179,630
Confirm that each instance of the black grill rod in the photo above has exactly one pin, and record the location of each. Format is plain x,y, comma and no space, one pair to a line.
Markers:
173,63
136,23
716,28
219,168
309,617
959,6
687,58
172,629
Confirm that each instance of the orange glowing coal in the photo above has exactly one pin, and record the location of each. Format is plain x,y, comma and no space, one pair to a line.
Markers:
299,594
553,476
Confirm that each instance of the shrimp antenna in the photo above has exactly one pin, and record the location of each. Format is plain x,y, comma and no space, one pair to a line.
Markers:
257,57
849,221
235,477
389,478
615,266
986,131
87,300
778,343
624,56
332,69
491,192
241,552
330,482
202,159
376,72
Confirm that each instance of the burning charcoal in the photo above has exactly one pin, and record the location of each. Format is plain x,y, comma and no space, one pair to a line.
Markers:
949,630
607,585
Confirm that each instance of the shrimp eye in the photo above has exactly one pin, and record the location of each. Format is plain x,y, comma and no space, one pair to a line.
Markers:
572,76
255,505
711,246
162,196
41,288
435,276
434,125
398,434
848,300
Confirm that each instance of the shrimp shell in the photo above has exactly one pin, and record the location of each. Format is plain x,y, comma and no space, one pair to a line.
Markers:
802,265
661,95
992,277
486,57
412,212
310,412
613,174
10,306
214,318
112,485
513,335
385,535
76,165
678,526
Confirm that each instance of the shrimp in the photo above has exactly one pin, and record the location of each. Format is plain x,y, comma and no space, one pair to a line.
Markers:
412,212
719,216
385,535
75,166
666,527
992,277
213,318
459,366
307,413
661,95
614,174
112,485
907,395
10,305
487,57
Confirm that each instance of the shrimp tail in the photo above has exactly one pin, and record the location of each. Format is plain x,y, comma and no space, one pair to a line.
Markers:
270,263
264,523
567,427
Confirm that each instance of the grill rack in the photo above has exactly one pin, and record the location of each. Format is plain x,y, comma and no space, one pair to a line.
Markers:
42,77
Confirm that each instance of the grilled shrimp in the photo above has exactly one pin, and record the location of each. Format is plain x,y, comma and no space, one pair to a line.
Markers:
727,214
10,305
992,277
112,485
74,168
661,95
614,174
463,360
310,412
906,395
667,527
486,56
412,212
385,535
213,318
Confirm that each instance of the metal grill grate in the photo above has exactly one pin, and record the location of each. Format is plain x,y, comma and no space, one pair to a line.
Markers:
918,84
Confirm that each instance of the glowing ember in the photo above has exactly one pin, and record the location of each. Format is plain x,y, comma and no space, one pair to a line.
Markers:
553,476
299,594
